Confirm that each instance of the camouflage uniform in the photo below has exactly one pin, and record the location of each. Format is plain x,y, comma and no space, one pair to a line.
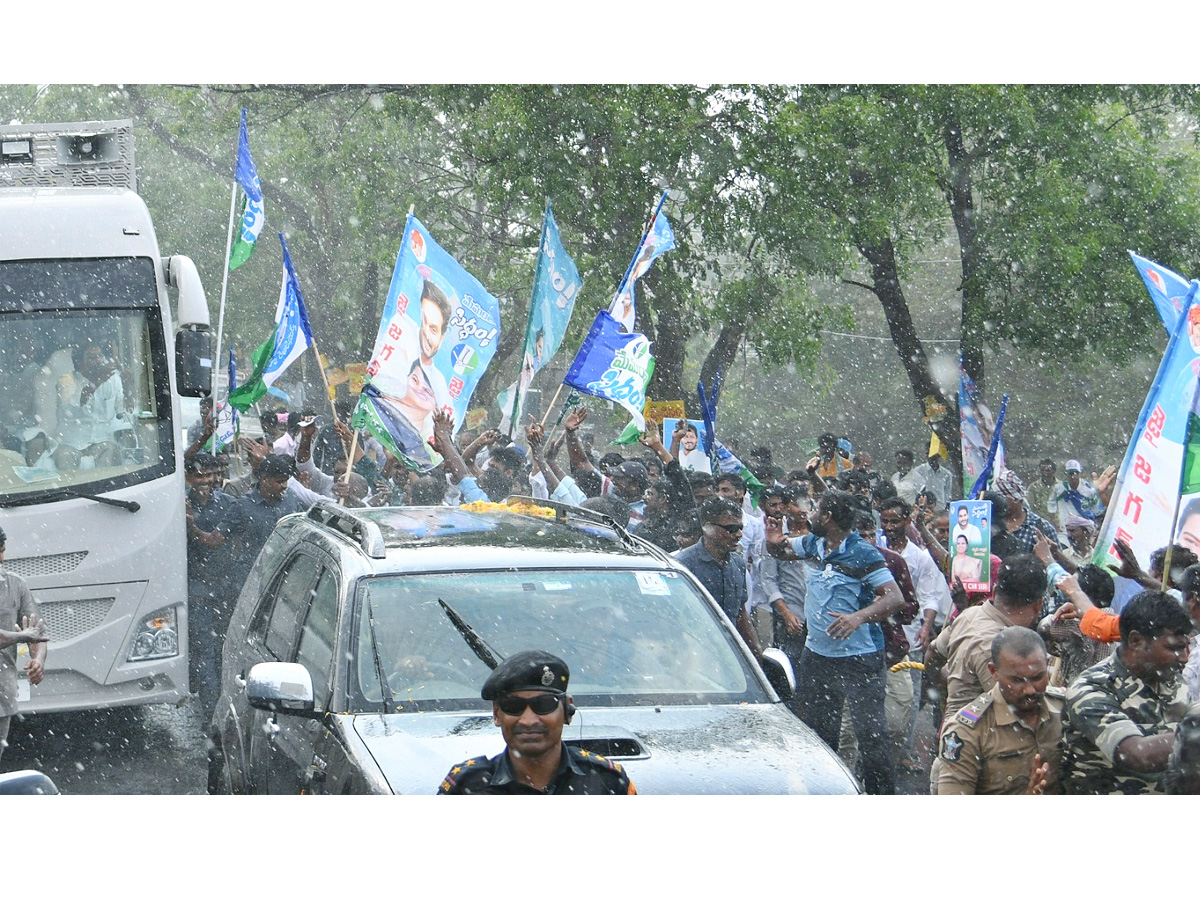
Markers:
987,749
1106,704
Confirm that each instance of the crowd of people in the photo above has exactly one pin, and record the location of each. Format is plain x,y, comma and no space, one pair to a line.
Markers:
1051,680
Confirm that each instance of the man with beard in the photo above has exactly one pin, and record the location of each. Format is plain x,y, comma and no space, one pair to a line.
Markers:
850,592
1120,715
1006,741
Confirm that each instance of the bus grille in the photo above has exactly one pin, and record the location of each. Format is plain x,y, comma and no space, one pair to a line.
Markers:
68,619
54,564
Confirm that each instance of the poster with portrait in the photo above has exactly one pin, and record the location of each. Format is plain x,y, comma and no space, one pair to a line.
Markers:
693,451
971,543
437,335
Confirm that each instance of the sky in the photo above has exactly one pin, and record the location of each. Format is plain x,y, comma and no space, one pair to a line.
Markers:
616,41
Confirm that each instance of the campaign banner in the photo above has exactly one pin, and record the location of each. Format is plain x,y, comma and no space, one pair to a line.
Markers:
1167,289
613,365
1147,490
693,449
438,333
977,426
250,223
556,285
971,544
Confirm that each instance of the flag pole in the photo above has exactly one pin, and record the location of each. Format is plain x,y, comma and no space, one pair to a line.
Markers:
1184,472
224,287
550,405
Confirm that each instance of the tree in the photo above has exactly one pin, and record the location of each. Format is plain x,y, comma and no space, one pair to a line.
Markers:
1045,186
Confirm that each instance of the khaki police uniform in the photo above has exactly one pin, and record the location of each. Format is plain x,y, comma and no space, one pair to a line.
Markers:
966,644
986,749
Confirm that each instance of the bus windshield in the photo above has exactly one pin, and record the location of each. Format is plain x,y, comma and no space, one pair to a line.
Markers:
86,403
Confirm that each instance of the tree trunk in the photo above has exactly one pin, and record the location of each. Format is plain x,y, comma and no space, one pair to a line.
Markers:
886,286
720,356
962,210
666,333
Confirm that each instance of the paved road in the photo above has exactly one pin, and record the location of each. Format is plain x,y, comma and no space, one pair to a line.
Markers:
161,750
133,750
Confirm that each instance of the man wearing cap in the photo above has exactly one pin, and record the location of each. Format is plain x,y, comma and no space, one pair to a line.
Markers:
253,518
1074,497
830,463
530,705
19,624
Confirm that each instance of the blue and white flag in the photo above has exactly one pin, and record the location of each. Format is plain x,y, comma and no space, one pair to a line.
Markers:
556,285
1167,289
976,426
437,335
995,452
613,365
253,215
293,335
657,240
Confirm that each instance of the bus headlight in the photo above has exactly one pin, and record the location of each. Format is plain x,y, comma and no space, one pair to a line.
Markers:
157,637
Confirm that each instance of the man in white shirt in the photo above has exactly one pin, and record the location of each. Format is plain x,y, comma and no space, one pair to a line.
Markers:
905,480
933,601
935,478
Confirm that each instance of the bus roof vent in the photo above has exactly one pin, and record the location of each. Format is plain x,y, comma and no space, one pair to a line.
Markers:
71,154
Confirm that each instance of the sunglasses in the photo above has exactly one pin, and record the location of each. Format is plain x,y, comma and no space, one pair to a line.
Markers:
542,704
732,529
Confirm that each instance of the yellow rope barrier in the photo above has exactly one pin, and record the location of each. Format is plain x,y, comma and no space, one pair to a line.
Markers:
908,664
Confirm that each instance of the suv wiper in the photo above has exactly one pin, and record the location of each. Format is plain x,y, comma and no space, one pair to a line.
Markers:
384,688
477,644
62,493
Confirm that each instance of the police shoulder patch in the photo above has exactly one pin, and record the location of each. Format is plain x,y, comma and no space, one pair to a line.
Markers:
951,747
970,714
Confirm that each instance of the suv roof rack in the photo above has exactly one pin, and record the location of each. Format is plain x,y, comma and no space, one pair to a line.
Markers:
363,532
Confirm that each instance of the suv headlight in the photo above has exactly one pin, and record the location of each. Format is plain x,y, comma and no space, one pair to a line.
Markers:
157,637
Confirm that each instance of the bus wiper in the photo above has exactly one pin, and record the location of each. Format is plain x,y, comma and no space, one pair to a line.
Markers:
131,505
477,644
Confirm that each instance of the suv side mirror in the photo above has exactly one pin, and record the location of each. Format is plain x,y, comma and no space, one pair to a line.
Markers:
778,669
282,688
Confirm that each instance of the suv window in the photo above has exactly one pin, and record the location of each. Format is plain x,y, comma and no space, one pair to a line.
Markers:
318,636
276,619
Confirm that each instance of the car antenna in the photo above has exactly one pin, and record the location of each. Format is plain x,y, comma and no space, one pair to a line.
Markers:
477,644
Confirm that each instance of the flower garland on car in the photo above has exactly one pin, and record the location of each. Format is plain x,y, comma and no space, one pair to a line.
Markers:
527,509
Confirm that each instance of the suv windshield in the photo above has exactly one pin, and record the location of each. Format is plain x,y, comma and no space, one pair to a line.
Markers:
87,401
629,638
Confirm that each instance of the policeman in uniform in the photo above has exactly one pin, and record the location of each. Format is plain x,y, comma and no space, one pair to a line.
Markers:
530,704
1006,741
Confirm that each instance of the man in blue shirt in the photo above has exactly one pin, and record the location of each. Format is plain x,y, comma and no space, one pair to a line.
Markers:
717,564
850,591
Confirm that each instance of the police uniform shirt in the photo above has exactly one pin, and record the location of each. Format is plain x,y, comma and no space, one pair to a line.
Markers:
987,749
966,645
579,772
1106,704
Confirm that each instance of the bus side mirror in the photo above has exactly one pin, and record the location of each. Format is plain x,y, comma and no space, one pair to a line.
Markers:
193,361
193,341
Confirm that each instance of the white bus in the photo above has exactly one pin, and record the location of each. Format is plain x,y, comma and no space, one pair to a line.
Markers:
91,476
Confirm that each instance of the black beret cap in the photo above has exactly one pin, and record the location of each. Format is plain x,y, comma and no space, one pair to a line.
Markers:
529,670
